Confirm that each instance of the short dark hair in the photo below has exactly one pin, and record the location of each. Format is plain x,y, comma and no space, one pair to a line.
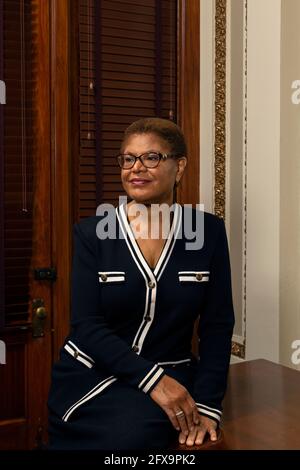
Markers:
165,129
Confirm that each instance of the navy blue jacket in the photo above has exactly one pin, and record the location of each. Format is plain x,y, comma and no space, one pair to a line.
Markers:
131,322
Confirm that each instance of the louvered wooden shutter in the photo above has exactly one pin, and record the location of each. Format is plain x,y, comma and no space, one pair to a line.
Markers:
127,70
2,314
17,154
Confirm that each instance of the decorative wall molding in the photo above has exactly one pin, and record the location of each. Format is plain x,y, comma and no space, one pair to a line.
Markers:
245,154
222,10
220,108
238,349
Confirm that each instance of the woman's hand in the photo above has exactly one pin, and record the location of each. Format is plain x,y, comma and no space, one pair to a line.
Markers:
177,403
197,435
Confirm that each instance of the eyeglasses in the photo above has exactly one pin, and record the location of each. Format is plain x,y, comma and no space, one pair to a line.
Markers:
148,159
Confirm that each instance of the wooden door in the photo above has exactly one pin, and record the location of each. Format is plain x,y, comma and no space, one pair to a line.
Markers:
42,185
25,224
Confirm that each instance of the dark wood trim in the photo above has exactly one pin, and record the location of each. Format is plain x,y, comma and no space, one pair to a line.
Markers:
158,59
74,104
2,302
27,370
189,96
61,168
98,100
173,113
38,354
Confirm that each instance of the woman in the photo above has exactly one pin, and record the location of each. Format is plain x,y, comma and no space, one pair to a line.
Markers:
126,378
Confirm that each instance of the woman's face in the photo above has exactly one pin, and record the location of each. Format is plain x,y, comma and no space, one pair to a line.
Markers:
151,185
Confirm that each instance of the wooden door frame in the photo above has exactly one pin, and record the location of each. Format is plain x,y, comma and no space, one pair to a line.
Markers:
60,20
2,290
189,96
188,69
40,349
29,363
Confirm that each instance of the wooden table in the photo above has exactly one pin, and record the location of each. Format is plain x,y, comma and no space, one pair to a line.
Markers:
262,407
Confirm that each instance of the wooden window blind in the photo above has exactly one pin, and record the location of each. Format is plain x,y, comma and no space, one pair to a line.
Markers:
2,314
125,69
17,154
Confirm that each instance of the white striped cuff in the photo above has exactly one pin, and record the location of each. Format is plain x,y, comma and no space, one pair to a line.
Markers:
72,349
151,379
212,413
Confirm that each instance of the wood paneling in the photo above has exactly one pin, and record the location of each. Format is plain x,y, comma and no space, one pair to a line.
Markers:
39,350
14,434
26,375
189,96
13,378
2,288
61,168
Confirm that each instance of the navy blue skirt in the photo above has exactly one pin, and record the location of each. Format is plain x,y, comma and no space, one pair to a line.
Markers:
120,418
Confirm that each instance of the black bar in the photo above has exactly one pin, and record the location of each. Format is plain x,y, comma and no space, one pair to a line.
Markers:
145,459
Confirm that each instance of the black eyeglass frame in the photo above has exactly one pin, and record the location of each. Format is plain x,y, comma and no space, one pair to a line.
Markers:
162,156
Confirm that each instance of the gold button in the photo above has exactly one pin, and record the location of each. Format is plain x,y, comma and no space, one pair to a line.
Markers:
151,284
103,277
76,354
199,277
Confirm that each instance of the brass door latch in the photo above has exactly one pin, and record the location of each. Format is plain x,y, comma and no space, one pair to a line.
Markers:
38,318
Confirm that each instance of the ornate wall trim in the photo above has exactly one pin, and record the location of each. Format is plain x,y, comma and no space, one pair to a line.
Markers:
221,7
245,154
220,108
238,349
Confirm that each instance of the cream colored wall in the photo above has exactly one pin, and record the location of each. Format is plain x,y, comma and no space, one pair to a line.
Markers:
235,154
234,141
289,183
263,179
262,173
